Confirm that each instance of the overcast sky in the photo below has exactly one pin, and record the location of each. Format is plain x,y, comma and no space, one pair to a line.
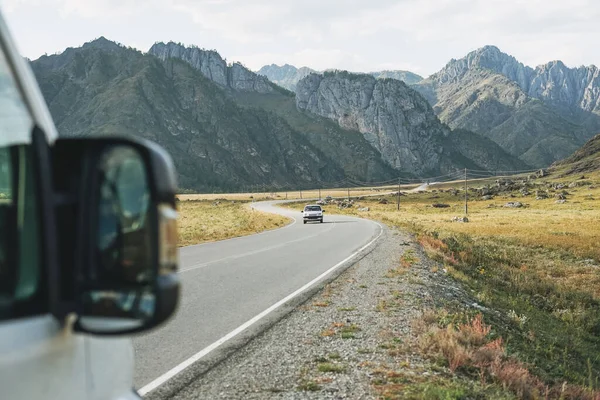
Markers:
357,35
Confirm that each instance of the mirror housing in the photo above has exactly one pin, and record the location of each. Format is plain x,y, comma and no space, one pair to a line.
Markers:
116,223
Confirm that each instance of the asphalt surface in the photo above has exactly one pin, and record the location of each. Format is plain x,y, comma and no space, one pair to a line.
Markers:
227,283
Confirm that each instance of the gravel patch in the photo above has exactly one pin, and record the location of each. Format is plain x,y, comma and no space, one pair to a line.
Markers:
337,344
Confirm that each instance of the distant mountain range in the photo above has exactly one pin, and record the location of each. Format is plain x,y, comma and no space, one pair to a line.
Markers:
539,115
229,128
287,76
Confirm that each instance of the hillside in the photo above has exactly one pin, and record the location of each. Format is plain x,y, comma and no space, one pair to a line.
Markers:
586,159
518,107
103,89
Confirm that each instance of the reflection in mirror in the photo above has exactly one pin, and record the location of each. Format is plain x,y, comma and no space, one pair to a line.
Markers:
106,311
125,254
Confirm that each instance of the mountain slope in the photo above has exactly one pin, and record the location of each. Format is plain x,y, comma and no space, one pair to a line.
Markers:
397,121
489,92
102,89
585,159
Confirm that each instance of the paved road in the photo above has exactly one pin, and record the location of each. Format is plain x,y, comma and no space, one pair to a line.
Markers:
229,282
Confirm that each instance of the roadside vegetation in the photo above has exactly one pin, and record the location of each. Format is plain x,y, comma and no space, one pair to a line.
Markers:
207,221
529,256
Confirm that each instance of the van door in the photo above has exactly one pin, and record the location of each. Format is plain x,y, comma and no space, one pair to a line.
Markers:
38,357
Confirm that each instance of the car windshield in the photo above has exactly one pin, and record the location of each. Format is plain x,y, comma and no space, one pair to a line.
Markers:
312,208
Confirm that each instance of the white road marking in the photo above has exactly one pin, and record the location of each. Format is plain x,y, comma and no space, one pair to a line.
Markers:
202,353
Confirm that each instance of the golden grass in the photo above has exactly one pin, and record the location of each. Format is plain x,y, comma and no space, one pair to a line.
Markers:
201,221
572,228
296,195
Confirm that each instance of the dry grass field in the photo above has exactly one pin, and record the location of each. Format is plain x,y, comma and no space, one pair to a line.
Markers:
205,221
295,195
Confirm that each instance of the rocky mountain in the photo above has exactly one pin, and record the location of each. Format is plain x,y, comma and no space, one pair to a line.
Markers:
214,67
407,77
585,159
288,76
539,115
347,148
397,121
104,89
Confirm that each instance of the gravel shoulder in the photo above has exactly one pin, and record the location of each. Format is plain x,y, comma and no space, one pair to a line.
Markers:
344,342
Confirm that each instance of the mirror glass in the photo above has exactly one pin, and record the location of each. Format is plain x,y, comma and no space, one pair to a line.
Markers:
122,293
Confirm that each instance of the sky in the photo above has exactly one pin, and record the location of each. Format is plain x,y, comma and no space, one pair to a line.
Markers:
357,35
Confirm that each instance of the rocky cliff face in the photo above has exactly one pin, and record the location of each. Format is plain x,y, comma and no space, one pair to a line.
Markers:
539,115
214,67
395,119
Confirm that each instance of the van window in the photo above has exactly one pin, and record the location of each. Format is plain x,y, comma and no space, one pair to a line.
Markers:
21,289
312,208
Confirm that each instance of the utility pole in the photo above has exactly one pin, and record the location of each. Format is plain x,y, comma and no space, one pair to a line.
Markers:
398,194
286,195
301,195
319,193
466,194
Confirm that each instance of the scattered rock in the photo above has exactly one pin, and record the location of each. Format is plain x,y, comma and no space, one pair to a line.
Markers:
363,209
560,196
579,183
487,197
514,204
383,201
440,205
563,201
460,219
541,194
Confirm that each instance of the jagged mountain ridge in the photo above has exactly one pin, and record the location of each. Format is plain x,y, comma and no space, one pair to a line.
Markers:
288,76
518,107
216,144
214,67
396,120
552,82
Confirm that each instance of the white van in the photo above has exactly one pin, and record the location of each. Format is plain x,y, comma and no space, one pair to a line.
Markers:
312,212
88,249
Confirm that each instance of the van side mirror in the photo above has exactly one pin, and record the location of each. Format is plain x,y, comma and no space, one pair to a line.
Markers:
122,232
